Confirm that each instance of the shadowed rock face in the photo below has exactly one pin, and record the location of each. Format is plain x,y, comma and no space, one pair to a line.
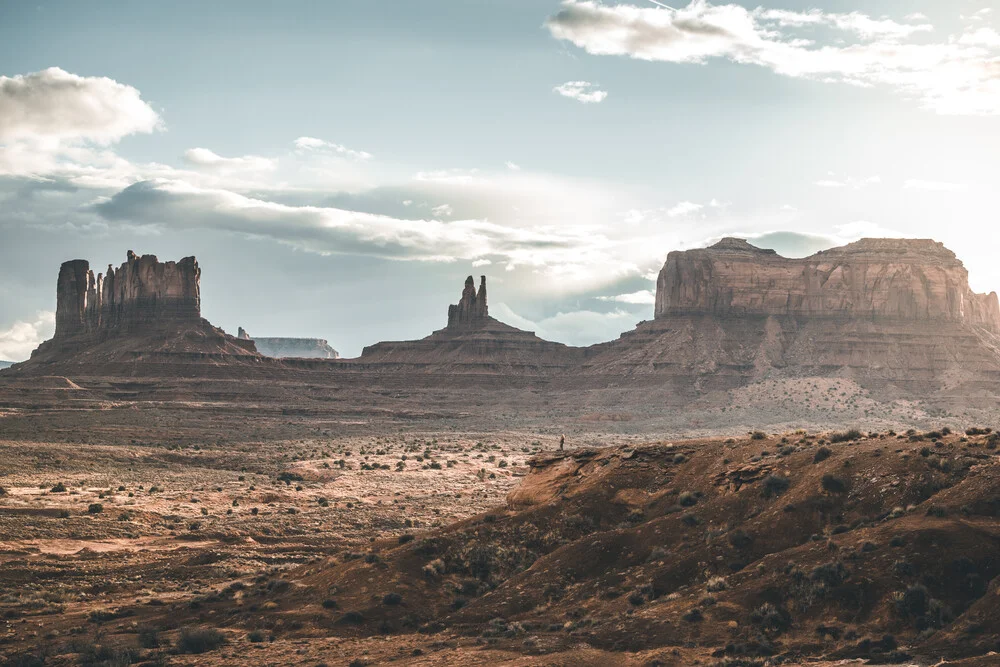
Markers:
472,310
145,309
872,279
142,290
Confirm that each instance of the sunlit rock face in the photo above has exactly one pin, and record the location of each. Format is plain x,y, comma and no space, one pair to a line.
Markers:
872,279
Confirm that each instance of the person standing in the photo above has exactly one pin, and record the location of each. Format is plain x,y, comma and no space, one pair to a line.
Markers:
562,442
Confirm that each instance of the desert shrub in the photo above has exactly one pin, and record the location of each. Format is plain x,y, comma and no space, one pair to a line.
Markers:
775,485
59,488
352,618
716,584
978,431
149,637
687,499
845,436
830,575
392,599
93,654
403,539
758,435
255,636
693,615
95,508
770,618
833,484
289,477
740,539
199,640
822,454
329,604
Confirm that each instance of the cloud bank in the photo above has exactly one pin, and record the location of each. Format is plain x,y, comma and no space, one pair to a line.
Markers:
949,76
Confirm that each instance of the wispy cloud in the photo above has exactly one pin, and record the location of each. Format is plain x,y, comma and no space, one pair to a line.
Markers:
203,157
850,182
581,91
946,75
934,186
314,144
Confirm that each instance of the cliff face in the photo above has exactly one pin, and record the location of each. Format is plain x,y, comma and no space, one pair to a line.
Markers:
144,309
871,279
142,290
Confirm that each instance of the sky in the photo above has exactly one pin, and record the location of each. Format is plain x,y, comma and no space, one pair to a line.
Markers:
338,168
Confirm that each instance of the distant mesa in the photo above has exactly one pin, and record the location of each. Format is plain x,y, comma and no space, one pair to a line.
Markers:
145,306
472,341
871,279
300,348
881,311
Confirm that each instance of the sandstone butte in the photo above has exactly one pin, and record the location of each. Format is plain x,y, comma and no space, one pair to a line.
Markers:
896,311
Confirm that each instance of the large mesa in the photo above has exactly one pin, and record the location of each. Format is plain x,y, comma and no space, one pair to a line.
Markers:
871,279
141,291
144,308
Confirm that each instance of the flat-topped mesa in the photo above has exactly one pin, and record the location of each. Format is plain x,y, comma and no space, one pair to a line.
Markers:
872,279
472,310
141,291
281,347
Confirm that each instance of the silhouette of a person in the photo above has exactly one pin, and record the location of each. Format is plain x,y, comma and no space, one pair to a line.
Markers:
562,442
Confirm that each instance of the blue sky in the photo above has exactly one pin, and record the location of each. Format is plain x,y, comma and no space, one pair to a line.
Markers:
339,167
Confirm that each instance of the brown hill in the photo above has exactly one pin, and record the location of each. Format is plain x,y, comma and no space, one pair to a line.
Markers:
880,546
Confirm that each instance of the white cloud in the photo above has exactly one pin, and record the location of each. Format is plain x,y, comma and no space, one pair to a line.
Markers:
684,208
512,166
946,76
314,144
17,342
987,37
202,157
850,182
329,230
580,327
444,210
641,297
934,186
855,22
52,106
481,262
581,91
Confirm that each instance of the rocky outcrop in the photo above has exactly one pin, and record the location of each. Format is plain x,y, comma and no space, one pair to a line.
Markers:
143,290
144,307
299,348
883,312
473,342
872,279
471,311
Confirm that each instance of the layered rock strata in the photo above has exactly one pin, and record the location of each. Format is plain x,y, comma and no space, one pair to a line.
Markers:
882,311
872,279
